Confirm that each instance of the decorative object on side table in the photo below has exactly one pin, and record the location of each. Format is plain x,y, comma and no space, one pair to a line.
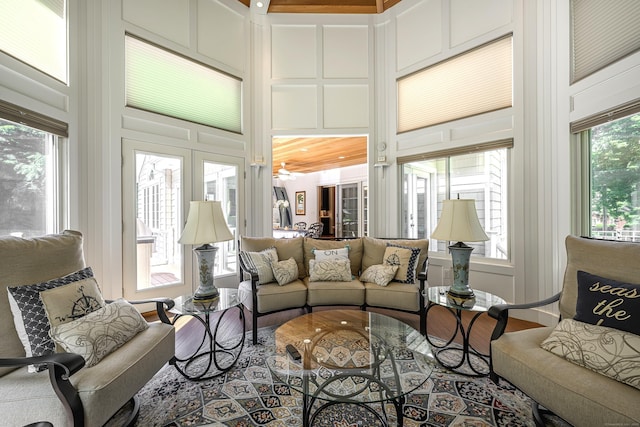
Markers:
459,222
205,225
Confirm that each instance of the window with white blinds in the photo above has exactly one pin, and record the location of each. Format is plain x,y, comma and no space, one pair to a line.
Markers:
35,32
163,82
474,82
602,32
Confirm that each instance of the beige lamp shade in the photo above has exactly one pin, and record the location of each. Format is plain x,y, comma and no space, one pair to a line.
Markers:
459,222
205,224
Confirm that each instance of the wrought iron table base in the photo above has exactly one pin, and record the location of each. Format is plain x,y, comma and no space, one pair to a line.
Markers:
467,350
215,351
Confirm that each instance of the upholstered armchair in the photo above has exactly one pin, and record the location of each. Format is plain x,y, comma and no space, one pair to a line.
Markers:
586,369
74,389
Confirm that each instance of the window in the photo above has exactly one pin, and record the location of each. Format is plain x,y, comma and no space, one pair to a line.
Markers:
29,181
474,82
475,174
35,32
162,82
602,33
612,163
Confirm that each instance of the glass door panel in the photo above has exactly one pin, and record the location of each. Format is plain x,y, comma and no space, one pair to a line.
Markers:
217,177
348,211
153,205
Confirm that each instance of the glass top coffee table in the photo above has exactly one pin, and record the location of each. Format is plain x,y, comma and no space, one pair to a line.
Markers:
351,357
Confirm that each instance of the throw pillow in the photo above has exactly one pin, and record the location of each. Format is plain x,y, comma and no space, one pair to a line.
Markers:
608,351
379,274
101,332
322,254
69,302
406,259
260,263
285,271
29,316
330,270
607,302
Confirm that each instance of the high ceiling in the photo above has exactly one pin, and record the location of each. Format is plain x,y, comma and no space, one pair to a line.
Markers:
315,154
326,6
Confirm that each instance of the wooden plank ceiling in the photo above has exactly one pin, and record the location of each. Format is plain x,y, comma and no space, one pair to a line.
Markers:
315,154
326,6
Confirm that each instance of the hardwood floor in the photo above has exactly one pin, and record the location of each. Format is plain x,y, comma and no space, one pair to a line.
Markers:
440,323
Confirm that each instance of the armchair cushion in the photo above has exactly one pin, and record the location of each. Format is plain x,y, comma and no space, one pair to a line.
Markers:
608,351
30,318
101,332
608,302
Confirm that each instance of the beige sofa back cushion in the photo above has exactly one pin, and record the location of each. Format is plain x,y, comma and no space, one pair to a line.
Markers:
613,260
286,248
373,250
355,250
29,261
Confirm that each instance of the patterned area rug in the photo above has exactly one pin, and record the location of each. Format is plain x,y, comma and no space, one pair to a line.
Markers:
248,395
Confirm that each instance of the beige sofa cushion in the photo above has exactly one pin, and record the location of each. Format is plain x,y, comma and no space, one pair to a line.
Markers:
355,250
373,250
400,296
580,396
50,257
273,297
334,293
286,248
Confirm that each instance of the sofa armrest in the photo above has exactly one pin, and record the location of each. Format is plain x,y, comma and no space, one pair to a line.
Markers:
500,312
61,367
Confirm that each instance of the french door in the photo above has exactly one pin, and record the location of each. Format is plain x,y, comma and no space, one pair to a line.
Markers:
158,184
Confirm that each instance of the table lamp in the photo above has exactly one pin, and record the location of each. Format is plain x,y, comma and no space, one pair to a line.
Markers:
459,222
205,225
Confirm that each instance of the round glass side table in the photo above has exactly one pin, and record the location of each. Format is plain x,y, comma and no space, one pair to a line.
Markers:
470,361
212,357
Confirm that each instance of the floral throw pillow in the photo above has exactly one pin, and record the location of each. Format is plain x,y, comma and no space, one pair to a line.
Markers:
330,270
379,274
285,271
607,351
101,332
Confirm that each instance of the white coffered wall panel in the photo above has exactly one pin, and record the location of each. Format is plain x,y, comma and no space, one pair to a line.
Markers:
167,18
418,33
346,106
345,51
293,51
221,34
471,19
294,107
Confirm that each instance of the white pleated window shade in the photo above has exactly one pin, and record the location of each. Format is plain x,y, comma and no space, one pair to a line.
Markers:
602,32
35,32
163,82
474,82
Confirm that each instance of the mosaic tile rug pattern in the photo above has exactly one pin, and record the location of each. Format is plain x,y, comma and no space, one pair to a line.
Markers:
248,396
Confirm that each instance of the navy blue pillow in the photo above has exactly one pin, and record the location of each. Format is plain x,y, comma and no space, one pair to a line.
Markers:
607,302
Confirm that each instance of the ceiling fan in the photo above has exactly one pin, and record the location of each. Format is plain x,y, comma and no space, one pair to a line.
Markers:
285,175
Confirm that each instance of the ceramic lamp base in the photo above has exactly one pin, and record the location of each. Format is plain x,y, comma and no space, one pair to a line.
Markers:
206,255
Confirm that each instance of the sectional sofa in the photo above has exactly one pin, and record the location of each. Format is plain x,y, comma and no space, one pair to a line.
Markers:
302,272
